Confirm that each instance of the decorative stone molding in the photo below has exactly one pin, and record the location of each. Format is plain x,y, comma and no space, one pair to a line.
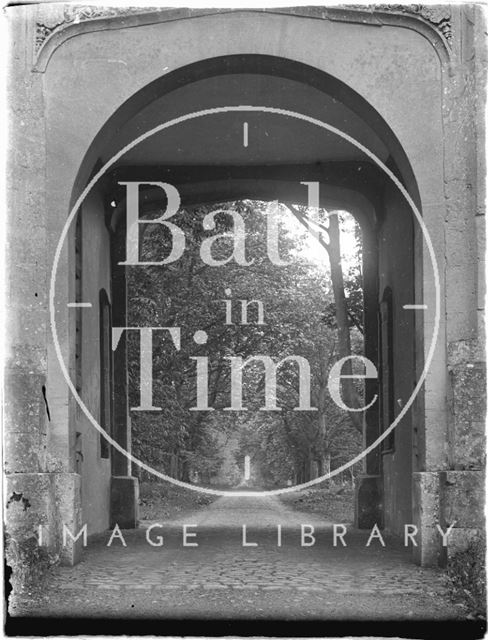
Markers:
61,22
439,16
74,14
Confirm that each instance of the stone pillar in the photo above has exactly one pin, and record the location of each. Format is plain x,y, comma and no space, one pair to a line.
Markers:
462,485
124,502
369,485
124,492
449,490
69,513
41,487
369,502
426,515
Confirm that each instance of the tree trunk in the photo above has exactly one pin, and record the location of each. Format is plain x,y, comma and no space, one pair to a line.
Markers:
350,396
333,248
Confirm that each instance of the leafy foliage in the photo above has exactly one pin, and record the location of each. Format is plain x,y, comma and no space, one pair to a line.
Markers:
467,576
297,302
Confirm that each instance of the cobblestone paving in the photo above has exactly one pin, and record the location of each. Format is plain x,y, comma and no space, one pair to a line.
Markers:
221,562
221,577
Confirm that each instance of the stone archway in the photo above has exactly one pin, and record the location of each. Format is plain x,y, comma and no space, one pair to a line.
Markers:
382,71
347,180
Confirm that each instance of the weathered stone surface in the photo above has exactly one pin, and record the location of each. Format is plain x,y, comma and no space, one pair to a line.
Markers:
468,446
28,324
426,515
26,246
21,452
463,498
26,357
24,401
29,503
426,498
68,507
441,499
469,392
465,351
429,552
467,412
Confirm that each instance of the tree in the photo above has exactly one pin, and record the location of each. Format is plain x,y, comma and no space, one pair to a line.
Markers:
191,294
343,315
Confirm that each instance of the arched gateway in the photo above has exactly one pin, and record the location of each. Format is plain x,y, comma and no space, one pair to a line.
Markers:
390,80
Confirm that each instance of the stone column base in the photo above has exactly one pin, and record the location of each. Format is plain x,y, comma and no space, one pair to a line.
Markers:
49,501
426,515
445,498
68,499
124,502
368,506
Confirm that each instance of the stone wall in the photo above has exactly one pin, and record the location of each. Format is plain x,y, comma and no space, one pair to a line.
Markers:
396,272
449,485
41,486
95,469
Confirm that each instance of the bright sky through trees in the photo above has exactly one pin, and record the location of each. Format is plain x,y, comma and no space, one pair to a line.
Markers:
311,249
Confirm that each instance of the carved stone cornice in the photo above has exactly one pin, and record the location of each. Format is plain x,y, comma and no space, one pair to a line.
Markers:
439,16
52,23
74,14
